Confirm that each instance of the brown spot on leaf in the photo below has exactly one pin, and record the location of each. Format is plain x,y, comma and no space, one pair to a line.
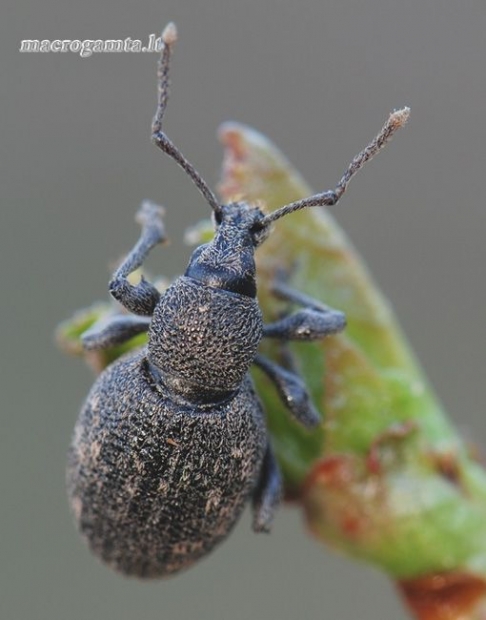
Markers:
444,596
341,499
447,466
392,433
333,471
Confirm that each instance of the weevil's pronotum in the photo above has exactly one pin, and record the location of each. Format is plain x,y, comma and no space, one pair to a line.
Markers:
171,442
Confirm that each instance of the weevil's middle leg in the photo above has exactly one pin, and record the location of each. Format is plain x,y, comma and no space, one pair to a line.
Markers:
114,330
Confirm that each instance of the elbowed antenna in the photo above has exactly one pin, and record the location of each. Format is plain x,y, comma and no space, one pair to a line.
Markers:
397,119
159,138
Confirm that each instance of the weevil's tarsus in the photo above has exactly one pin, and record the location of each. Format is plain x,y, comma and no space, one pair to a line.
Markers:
396,120
268,493
114,331
141,298
159,138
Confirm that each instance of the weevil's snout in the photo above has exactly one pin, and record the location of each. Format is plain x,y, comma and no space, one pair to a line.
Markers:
228,262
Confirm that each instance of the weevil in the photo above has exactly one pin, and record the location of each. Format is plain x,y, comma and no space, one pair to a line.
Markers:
171,442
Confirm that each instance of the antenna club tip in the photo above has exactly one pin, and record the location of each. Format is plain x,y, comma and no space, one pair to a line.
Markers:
398,118
169,34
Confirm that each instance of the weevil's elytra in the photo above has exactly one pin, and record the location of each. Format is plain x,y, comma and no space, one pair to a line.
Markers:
171,479
171,442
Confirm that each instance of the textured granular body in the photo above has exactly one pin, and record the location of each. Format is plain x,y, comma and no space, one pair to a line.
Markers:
155,485
205,336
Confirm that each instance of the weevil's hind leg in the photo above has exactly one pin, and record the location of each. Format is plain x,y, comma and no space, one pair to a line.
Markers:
267,495
114,331
140,298
314,321
292,390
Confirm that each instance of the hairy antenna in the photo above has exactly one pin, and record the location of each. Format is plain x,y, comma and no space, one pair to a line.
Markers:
396,120
159,138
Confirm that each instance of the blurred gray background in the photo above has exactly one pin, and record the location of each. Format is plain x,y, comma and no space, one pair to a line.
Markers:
319,78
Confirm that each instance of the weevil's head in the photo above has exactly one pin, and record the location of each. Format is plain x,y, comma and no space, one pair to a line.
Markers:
227,262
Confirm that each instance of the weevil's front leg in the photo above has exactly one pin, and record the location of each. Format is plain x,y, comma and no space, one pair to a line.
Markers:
140,298
315,320
267,495
113,331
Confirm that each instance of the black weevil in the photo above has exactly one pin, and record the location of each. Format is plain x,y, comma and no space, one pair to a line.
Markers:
171,441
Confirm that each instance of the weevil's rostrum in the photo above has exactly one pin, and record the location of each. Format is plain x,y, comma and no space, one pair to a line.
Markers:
171,442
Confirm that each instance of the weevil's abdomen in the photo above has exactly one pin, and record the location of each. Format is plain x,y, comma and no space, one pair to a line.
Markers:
154,486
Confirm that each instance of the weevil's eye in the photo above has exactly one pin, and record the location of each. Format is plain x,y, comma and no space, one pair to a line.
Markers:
259,232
